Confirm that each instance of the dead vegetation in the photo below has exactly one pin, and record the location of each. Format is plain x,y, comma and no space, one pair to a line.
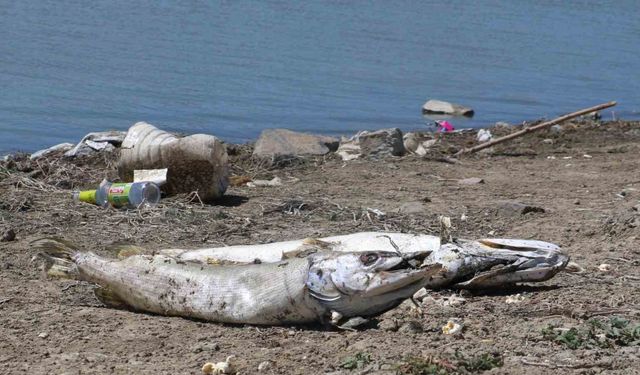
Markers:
325,196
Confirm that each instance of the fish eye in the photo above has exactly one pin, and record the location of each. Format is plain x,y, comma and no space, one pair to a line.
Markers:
368,258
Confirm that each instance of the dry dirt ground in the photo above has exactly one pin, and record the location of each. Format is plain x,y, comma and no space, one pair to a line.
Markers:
584,177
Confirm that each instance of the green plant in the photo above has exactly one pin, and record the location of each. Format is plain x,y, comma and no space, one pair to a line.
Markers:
424,366
595,333
359,360
480,363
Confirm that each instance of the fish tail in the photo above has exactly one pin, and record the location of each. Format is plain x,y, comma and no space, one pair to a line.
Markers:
58,256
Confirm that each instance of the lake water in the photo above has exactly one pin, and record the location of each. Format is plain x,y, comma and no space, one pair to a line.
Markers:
233,68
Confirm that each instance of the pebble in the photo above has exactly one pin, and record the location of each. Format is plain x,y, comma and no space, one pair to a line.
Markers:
263,366
411,327
471,181
43,335
388,325
604,267
9,235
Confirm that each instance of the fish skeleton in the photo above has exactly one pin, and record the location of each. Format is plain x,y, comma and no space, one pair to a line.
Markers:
304,289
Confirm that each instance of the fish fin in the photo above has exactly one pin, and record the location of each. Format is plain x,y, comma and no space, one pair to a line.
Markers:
109,298
58,256
126,250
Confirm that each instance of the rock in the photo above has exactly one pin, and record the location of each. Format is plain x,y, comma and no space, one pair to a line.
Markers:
206,347
389,324
556,129
509,208
283,142
471,181
377,144
264,366
420,294
8,235
438,107
43,335
418,143
97,141
59,147
502,124
411,327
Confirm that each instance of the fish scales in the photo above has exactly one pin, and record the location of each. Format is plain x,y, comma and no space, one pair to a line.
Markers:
255,294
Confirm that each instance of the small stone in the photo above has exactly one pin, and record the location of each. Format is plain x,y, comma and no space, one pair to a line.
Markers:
514,299
420,294
390,325
9,235
604,267
263,366
471,181
206,346
43,335
411,327
556,129
547,141
576,202
509,208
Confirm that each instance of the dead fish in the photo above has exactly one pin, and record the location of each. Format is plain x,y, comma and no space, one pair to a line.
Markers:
482,264
316,287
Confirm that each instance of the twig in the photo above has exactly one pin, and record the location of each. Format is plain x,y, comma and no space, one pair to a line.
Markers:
5,300
544,364
534,128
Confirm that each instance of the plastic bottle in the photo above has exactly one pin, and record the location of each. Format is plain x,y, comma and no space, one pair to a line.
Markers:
131,195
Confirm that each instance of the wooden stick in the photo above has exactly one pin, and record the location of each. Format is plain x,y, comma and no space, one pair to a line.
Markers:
534,128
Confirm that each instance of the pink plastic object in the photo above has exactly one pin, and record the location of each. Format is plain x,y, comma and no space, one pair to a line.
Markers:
445,126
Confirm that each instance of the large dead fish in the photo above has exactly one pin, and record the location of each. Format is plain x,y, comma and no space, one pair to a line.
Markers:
485,263
303,289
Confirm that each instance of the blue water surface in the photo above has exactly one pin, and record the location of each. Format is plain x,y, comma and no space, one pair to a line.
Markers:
233,68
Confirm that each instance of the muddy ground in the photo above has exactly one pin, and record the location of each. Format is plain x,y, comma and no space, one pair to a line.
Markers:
584,177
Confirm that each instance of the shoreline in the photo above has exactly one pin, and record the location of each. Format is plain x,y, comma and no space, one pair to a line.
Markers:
582,180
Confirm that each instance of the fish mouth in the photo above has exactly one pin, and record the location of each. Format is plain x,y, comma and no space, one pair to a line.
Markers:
408,274
409,261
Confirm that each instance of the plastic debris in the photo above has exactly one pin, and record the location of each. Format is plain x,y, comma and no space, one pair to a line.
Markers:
132,195
157,176
226,367
484,135
276,181
97,141
59,147
445,126
198,162
452,328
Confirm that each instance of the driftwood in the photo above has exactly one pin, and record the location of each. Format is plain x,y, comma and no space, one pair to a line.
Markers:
534,128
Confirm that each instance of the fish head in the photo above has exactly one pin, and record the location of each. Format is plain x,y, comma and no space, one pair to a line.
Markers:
366,283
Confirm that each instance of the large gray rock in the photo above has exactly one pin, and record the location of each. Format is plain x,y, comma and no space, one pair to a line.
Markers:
438,107
279,142
378,144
